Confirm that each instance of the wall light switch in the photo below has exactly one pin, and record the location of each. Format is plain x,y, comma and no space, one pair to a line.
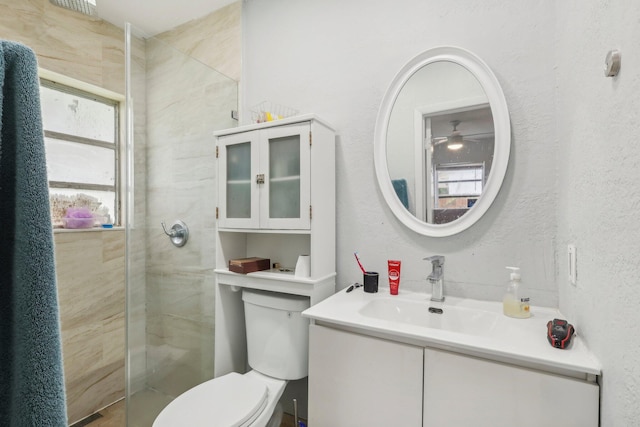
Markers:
572,264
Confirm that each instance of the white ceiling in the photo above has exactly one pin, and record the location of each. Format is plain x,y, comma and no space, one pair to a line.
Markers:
156,16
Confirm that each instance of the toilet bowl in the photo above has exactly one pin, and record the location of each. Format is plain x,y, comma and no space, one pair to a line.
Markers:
233,400
277,350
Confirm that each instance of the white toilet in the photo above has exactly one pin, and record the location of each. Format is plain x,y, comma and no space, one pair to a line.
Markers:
278,350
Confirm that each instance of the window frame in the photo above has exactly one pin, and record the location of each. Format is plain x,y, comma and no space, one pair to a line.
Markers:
46,81
479,167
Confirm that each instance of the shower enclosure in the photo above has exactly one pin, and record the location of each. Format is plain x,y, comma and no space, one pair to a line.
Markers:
174,103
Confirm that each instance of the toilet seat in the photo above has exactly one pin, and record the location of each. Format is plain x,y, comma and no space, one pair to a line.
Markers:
232,400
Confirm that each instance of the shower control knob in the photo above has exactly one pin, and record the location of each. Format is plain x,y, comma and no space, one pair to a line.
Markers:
178,233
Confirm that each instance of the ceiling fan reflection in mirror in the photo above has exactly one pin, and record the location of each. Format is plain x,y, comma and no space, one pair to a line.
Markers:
455,141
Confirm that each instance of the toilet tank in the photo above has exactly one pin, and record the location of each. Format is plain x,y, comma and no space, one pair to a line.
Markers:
277,334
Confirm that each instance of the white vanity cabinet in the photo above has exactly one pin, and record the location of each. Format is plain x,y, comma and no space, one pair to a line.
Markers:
360,379
356,380
462,390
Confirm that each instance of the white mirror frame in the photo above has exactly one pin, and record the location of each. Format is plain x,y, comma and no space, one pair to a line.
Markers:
502,130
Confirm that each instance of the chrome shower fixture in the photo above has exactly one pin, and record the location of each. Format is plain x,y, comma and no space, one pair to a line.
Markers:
87,7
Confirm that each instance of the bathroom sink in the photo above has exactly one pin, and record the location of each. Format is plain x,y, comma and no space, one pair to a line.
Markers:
425,314
474,327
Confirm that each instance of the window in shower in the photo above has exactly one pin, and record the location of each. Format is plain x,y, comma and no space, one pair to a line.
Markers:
82,146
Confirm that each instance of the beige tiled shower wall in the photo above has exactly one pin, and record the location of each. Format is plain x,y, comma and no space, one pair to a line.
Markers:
189,95
215,40
67,42
90,265
90,269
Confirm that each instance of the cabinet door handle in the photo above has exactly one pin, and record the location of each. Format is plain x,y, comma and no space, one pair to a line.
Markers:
260,178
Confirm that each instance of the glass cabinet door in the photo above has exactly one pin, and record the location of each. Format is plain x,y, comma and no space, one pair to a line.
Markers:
237,160
239,180
286,155
284,177
264,179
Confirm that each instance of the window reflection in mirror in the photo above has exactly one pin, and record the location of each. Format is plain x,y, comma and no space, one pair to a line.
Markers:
458,187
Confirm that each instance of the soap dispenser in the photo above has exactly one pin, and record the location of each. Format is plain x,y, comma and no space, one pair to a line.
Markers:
513,304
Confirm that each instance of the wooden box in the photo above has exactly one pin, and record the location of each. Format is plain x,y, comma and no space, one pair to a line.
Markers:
249,265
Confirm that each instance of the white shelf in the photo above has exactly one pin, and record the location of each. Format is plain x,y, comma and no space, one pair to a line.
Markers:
276,281
285,178
262,231
275,274
274,123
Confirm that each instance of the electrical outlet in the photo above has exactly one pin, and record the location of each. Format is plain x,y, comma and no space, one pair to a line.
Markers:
572,264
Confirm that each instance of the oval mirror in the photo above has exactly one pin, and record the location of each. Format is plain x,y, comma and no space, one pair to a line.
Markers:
442,141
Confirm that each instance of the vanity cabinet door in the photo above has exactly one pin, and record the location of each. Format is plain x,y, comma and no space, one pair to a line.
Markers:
355,380
467,391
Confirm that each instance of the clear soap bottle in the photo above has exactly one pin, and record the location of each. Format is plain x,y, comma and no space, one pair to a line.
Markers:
513,303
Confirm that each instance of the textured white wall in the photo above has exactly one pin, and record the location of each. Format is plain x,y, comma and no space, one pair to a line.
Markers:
599,195
336,58
573,172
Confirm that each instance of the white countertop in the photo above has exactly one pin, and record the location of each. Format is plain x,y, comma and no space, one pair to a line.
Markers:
518,341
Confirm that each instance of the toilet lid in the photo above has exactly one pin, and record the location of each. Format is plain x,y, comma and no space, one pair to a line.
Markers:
231,400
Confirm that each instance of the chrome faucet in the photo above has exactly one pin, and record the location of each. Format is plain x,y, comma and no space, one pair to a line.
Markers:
436,278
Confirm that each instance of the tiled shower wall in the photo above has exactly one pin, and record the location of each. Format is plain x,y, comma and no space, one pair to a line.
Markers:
89,264
187,100
90,270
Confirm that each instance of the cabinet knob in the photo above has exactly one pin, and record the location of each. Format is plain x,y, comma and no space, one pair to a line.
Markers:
260,178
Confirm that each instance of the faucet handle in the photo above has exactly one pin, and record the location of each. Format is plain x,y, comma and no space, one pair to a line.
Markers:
436,260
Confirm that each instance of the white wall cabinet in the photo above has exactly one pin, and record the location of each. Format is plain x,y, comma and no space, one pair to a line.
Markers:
276,200
461,390
264,178
356,380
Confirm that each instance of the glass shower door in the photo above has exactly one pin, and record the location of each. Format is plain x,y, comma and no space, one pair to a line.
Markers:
174,104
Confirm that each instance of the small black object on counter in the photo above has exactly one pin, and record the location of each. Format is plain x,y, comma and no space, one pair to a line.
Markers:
354,286
370,279
559,333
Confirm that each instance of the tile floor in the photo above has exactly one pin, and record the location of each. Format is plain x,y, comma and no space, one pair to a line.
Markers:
115,416
111,416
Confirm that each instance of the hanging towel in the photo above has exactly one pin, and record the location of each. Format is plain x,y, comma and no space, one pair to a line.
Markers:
400,186
31,373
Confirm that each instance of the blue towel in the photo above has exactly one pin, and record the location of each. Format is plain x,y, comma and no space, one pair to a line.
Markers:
400,185
31,372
